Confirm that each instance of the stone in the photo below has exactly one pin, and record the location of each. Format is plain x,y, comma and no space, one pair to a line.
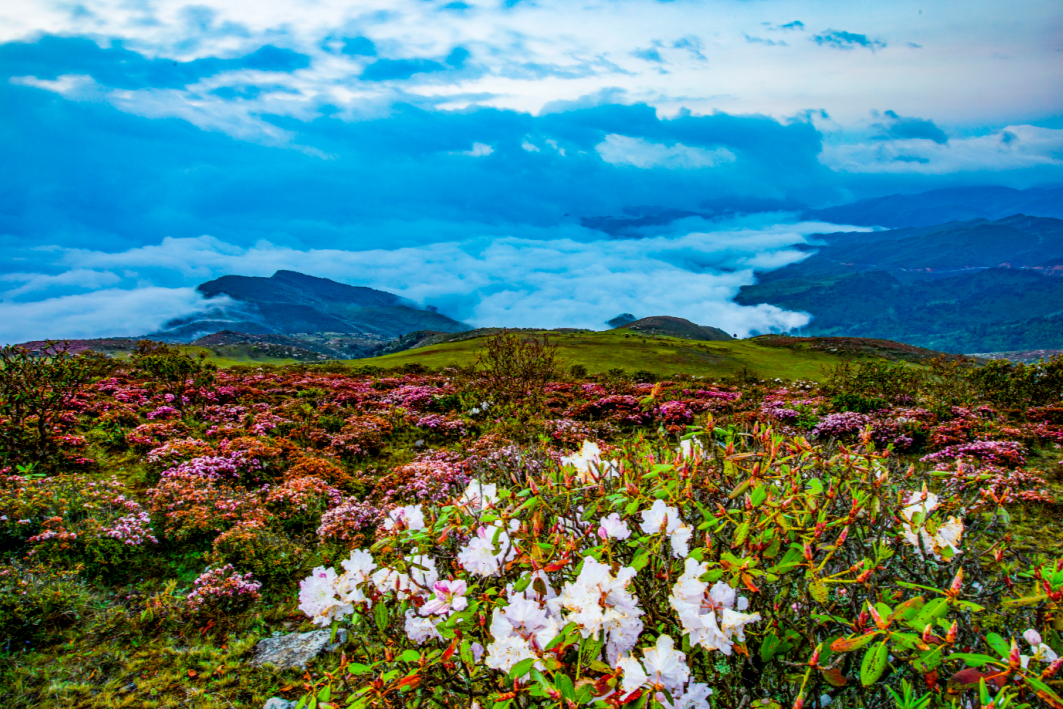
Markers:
296,649
278,703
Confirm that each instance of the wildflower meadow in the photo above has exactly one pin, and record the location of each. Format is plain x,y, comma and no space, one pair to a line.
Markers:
517,534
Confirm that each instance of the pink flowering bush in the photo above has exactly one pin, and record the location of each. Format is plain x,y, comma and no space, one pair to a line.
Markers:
1004,453
221,592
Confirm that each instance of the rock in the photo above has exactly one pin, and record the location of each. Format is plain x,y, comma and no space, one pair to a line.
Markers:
296,649
278,703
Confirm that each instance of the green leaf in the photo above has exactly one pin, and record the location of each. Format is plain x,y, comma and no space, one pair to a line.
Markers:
641,559
934,609
380,615
874,664
758,495
324,694
521,668
584,694
974,659
564,685
999,645
769,646
929,660
410,656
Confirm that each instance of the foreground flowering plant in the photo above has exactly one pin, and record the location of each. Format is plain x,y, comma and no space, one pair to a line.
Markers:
746,569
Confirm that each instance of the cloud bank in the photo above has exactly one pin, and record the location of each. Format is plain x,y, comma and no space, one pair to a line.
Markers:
488,281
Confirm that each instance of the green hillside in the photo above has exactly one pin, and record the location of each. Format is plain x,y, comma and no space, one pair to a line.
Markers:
615,349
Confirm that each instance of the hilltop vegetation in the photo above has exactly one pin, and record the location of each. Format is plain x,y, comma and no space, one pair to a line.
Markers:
158,516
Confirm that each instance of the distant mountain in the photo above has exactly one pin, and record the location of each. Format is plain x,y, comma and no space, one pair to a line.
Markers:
288,302
975,286
945,205
676,327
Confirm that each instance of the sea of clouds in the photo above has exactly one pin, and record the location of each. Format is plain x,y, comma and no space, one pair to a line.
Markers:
489,281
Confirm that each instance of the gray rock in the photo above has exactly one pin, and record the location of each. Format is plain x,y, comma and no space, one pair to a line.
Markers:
278,703
296,649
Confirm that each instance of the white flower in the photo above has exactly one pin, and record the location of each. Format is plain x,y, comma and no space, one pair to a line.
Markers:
612,527
478,497
318,598
634,676
708,616
690,447
945,542
663,519
418,582
1041,651
598,601
419,629
503,654
357,570
480,555
665,665
449,598
410,517
588,463
696,696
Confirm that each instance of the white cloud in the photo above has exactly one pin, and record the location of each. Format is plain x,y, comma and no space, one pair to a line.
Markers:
510,281
1012,148
981,62
625,150
478,150
78,278
111,312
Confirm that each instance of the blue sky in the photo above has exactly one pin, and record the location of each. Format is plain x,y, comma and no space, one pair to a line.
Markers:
448,151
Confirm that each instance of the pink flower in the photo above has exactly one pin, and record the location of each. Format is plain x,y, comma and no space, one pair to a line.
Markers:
449,598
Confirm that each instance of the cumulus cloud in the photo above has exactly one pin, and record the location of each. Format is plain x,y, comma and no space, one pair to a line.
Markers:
502,281
1012,148
625,150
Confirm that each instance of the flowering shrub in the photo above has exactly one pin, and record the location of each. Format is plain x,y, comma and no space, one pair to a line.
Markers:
754,569
1004,453
222,591
72,520
270,556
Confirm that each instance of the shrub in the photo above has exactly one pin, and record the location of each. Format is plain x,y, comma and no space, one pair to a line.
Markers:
37,391
37,603
760,569
222,592
269,555
512,371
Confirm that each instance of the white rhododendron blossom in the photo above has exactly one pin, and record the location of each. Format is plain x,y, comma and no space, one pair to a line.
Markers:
598,601
945,540
1039,650
418,582
489,549
689,448
712,617
521,630
663,666
478,497
410,517
663,519
612,527
449,598
419,629
357,575
318,597
588,463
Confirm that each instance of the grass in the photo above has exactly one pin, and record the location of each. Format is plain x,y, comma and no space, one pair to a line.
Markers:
600,352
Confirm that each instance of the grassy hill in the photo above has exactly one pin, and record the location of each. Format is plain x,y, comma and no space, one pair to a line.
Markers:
796,358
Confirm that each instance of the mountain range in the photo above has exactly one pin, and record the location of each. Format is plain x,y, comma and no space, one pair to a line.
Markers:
967,286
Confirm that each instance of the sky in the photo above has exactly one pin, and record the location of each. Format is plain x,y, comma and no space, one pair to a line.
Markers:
462,153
